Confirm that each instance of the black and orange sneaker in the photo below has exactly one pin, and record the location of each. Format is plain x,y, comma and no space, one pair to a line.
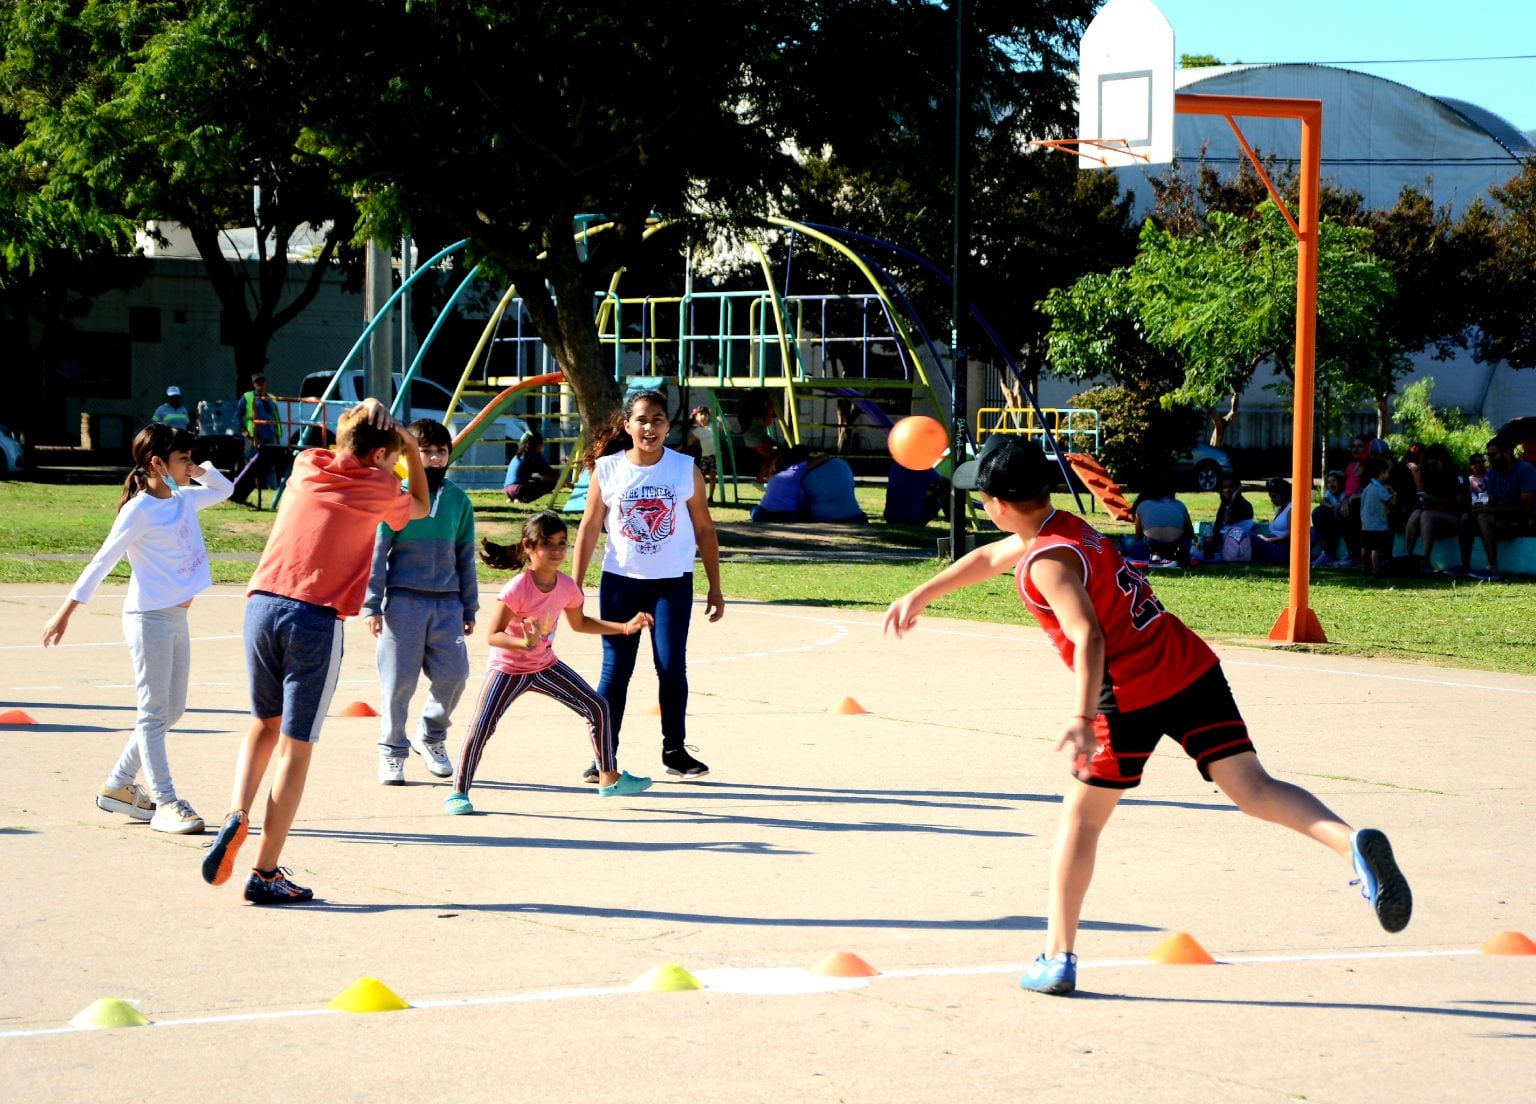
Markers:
276,890
219,863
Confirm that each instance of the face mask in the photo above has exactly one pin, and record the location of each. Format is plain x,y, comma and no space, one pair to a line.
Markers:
435,477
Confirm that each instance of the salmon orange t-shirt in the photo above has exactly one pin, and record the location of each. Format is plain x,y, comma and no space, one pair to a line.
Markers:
321,546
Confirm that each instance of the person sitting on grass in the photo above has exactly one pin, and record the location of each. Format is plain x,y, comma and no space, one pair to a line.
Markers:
1508,511
1163,522
782,500
529,476
1275,545
1138,674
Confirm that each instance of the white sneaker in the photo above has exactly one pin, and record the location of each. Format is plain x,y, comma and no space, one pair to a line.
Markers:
130,800
177,818
435,756
391,770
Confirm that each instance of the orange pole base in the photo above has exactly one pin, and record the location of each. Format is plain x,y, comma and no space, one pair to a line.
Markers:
1298,626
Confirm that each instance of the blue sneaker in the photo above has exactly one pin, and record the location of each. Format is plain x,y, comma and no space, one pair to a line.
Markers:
1380,881
1056,976
457,804
625,785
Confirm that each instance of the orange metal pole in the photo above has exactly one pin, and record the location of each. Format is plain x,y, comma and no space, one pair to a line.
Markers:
1297,623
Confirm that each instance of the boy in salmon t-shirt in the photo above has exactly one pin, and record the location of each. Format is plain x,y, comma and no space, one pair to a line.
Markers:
313,573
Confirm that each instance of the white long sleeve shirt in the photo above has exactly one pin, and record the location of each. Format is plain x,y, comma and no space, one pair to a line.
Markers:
164,544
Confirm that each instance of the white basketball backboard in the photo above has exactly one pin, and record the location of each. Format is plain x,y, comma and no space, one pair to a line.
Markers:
1125,91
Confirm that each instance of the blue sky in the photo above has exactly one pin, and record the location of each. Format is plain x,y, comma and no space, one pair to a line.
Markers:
1357,30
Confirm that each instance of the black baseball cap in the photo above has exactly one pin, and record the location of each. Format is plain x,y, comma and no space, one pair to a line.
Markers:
1011,468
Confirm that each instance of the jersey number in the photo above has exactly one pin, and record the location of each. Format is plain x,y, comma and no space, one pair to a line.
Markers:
1145,608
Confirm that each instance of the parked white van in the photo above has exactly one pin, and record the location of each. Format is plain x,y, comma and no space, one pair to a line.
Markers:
480,468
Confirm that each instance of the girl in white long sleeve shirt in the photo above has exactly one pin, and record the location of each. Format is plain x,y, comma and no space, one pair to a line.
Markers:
157,529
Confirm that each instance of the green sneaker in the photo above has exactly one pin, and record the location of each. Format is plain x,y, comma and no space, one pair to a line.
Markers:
457,805
625,785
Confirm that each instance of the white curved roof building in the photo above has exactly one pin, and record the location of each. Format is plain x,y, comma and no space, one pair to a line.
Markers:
1378,136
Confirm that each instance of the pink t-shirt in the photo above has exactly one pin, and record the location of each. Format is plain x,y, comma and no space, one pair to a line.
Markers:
523,597
321,546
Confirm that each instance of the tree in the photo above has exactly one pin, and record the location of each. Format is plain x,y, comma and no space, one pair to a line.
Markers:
1501,241
181,112
505,120
1224,301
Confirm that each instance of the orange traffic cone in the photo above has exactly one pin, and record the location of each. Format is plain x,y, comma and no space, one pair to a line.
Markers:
16,717
1509,943
357,709
1180,949
844,964
848,705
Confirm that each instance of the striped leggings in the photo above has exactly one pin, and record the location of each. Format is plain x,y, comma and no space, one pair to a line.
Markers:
560,682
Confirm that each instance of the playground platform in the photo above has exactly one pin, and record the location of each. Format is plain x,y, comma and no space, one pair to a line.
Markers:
915,835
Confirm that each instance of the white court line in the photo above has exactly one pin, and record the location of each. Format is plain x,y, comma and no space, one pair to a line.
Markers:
752,981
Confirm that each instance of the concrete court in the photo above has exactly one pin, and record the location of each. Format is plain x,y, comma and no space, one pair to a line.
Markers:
916,836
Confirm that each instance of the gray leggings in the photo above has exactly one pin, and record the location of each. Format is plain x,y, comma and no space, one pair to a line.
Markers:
161,646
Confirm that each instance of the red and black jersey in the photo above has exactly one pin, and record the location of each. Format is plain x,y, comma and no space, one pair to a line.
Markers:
1150,655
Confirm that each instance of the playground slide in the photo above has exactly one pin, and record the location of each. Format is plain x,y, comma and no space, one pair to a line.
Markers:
877,416
1097,480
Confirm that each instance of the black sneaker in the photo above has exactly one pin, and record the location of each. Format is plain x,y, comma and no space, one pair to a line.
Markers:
276,890
678,762
590,774
220,860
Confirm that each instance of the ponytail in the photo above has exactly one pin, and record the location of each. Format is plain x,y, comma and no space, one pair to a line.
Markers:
509,557
155,441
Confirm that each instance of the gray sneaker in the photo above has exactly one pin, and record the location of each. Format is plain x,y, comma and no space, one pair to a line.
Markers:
391,770
435,755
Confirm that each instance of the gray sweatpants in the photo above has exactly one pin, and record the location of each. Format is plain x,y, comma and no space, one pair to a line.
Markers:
161,645
422,634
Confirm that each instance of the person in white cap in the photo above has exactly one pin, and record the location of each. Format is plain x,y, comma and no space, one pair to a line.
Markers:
171,412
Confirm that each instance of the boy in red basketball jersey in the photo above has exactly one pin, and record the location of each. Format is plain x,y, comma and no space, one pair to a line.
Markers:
1140,675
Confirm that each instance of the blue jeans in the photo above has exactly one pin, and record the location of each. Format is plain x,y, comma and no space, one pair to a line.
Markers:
670,602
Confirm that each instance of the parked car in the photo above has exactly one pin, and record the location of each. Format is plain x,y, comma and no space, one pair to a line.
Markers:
1202,467
11,453
429,399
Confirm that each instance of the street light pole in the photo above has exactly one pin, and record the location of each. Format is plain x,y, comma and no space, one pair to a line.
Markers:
960,399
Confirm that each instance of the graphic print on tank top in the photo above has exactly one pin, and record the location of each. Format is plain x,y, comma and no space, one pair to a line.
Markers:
648,516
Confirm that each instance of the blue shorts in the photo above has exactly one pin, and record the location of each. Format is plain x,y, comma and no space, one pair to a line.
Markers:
293,655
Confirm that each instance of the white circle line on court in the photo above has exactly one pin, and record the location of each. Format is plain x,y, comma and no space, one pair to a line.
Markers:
753,981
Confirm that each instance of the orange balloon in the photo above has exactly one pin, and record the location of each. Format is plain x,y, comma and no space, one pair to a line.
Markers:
917,442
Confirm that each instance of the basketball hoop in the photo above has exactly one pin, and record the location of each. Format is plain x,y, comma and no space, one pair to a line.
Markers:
1121,146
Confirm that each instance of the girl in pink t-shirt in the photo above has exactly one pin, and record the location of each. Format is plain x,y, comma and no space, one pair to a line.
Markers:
521,636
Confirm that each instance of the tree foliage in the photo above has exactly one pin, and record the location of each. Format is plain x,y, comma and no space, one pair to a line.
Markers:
502,121
185,112
1499,241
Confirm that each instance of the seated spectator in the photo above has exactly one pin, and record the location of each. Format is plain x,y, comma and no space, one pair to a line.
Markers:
827,493
529,476
1510,510
1477,479
1445,501
1326,520
1274,546
1403,483
1349,513
1234,510
1163,522
782,500
914,497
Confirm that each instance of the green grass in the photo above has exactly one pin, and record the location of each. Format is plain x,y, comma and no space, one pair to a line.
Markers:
1452,623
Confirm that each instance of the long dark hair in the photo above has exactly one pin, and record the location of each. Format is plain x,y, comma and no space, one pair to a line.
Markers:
614,437
510,557
155,440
